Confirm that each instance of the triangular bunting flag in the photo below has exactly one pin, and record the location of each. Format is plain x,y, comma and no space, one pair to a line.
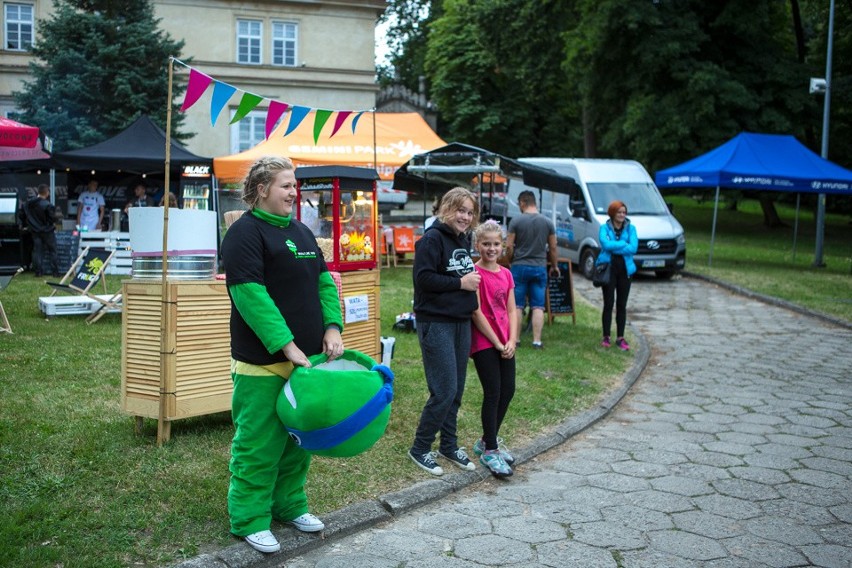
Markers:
338,122
319,121
222,93
247,104
297,115
355,121
198,83
275,111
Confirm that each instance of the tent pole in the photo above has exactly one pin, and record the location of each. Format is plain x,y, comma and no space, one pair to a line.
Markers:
713,230
163,425
796,225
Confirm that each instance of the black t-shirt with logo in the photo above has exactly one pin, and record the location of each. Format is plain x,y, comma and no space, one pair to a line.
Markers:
288,262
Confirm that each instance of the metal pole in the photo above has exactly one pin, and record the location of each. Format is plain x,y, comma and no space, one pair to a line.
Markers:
796,225
820,214
713,230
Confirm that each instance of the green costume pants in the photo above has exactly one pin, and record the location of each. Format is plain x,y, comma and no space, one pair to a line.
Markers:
268,469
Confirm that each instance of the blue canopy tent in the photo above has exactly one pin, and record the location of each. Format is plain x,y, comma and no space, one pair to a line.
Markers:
769,162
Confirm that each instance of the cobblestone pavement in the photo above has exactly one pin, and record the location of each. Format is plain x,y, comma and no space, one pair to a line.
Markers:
734,449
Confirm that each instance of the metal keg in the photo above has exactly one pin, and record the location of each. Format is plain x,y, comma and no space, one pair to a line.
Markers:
184,267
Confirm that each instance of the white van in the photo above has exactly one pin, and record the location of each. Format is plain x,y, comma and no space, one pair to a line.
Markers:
579,215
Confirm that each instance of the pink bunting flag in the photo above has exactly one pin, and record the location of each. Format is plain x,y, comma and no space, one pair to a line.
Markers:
198,83
275,111
338,122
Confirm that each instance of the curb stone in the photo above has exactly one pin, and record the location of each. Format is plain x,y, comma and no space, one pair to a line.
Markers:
367,514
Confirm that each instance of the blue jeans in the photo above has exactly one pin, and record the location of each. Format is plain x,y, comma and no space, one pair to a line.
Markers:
529,281
445,348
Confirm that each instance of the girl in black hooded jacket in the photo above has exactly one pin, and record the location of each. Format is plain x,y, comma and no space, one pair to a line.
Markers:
445,284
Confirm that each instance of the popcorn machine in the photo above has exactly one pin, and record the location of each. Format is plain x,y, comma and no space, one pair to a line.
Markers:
339,204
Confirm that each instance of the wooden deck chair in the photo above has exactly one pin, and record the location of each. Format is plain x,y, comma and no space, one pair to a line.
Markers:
83,275
387,245
403,241
231,216
6,275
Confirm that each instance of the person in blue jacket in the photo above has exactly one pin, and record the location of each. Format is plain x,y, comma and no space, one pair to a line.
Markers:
618,245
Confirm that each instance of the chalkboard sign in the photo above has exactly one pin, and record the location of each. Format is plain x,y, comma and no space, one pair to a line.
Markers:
560,293
67,245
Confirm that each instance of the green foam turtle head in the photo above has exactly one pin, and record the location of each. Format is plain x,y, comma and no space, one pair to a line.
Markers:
338,408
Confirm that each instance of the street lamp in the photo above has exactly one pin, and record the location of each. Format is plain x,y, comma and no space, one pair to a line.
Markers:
820,217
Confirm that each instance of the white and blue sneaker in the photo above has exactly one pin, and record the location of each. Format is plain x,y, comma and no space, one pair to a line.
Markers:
493,460
460,459
479,449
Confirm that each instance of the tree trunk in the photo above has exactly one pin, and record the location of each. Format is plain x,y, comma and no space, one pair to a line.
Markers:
590,145
770,215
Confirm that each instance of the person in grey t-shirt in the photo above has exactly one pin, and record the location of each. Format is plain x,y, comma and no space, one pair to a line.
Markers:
531,240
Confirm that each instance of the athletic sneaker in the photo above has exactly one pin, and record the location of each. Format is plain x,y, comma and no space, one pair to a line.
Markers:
307,523
460,459
495,463
427,462
622,344
264,541
606,342
479,449
537,345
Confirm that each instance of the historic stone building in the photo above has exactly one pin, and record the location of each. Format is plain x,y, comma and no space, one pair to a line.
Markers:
317,53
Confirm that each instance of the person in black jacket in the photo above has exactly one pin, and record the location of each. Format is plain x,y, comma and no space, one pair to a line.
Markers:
41,222
445,284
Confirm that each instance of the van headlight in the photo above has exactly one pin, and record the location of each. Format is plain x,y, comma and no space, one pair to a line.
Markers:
681,239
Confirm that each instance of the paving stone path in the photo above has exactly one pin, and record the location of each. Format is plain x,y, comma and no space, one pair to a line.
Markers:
734,449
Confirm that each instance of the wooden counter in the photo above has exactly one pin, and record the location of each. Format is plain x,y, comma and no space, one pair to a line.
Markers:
197,372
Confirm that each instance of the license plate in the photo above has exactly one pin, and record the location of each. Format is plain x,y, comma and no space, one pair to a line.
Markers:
653,263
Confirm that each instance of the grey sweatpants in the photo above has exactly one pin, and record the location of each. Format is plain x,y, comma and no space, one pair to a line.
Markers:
445,348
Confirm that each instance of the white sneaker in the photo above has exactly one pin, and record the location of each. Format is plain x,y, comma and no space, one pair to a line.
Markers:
307,523
263,541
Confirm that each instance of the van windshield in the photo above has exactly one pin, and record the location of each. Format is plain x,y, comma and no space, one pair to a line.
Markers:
640,198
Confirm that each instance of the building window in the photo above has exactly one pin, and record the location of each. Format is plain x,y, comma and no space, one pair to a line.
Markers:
248,132
20,24
285,36
249,39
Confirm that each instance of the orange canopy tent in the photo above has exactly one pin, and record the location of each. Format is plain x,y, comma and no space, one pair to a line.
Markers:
398,136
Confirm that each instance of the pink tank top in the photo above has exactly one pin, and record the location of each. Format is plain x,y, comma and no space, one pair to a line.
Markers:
494,290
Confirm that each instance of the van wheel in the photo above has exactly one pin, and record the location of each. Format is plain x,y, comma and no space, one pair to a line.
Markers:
664,274
587,263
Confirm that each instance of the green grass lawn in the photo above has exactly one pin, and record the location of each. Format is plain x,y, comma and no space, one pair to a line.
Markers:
750,255
79,488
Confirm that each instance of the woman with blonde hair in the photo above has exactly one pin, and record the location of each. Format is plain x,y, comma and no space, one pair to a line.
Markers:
445,284
284,309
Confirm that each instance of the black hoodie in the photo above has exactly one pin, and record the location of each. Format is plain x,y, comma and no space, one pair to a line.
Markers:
441,258
41,215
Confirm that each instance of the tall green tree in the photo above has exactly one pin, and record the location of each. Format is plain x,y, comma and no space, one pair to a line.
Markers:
496,73
408,24
662,81
99,65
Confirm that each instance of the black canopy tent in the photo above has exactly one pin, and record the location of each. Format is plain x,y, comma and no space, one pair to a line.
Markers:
138,149
456,164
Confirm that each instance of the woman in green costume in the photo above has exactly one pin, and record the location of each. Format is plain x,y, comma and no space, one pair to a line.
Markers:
284,309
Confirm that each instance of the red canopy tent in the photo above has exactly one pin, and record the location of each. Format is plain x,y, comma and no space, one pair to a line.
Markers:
17,135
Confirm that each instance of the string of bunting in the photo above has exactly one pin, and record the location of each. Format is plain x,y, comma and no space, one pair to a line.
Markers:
222,92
